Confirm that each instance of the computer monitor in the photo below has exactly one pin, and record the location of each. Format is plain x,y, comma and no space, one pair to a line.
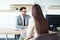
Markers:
53,22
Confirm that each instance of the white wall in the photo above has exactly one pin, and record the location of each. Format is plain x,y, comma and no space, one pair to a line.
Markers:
8,20
5,4
52,12
46,3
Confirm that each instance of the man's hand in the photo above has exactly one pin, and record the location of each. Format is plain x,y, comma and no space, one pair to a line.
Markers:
26,27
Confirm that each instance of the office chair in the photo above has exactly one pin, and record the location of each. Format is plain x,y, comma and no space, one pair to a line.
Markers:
54,36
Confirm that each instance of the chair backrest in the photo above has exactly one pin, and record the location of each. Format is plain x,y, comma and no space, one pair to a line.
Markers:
55,36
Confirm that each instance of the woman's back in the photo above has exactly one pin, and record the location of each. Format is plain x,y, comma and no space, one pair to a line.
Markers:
54,36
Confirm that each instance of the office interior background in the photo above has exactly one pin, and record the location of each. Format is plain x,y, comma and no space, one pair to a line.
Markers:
9,10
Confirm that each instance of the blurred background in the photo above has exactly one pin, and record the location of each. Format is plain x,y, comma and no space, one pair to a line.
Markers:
9,10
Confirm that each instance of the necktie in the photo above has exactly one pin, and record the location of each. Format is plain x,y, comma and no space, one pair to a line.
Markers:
24,21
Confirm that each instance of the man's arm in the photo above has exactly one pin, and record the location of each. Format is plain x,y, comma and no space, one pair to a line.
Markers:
20,27
19,23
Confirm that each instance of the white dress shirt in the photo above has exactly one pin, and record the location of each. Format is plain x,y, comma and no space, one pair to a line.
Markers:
31,28
23,20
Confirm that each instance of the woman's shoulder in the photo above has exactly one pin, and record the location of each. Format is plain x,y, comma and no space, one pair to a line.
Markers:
32,19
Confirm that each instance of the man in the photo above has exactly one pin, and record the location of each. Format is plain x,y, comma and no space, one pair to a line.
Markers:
23,19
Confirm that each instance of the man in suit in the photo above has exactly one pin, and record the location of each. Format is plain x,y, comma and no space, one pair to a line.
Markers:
23,19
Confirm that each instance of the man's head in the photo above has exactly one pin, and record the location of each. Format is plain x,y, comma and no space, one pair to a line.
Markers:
23,10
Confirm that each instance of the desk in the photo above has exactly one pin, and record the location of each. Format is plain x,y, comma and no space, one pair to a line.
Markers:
14,31
52,32
11,31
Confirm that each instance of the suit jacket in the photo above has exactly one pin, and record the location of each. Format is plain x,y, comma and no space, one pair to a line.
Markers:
20,22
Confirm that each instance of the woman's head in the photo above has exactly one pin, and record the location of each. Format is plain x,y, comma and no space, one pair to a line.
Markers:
36,11
40,21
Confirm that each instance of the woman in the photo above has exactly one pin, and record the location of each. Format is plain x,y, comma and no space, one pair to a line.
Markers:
37,24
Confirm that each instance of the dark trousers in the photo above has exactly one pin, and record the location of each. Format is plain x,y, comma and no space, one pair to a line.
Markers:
17,36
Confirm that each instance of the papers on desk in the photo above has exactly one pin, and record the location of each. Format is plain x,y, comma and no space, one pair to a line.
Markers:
22,28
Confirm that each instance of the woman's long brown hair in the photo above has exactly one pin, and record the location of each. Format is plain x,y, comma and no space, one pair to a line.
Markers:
40,21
